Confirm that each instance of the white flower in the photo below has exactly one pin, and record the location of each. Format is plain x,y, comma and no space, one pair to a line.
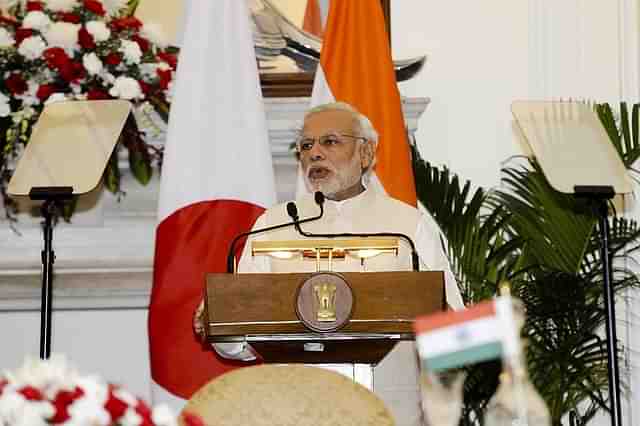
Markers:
11,406
126,88
63,34
93,388
32,47
52,373
29,98
131,52
98,30
6,39
130,418
108,78
125,396
92,63
148,70
113,7
89,411
163,416
61,5
56,97
5,108
155,34
36,20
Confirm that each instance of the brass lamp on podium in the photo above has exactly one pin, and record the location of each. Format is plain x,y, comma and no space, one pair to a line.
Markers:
329,249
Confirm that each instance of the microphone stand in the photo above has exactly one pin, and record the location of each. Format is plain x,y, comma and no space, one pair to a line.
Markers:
231,264
293,213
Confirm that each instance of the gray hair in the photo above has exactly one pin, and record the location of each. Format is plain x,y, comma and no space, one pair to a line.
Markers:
365,128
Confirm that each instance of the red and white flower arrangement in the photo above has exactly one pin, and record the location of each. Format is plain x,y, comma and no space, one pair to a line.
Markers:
52,50
43,393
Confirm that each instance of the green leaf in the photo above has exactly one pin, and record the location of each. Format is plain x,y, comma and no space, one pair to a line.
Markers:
112,174
623,135
132,5
556,226
140,165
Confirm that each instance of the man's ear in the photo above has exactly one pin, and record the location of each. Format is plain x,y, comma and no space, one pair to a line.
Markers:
366,155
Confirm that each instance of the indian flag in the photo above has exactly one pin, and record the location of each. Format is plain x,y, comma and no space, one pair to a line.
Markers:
356,68
456,338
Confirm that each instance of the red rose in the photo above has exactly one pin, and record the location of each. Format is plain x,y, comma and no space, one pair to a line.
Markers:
72,72
44,91
115,406
56,57
85,39
170,59
165,78
94,6
97,94
69,17
113,59
142,42
145,413
129,22
34,6
21,34
3,383
146,88
31,393
16,84
61,403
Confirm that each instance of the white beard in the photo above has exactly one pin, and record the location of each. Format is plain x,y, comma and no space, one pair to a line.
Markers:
339,181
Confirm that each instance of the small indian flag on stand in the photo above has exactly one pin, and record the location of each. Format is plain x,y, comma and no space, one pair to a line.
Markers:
456,338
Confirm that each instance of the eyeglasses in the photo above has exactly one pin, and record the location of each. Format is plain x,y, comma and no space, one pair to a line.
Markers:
330,141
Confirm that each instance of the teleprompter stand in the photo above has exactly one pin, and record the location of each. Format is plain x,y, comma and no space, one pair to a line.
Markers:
67,153
577,158
53,198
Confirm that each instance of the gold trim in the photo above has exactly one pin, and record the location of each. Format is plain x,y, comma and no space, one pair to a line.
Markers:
326,248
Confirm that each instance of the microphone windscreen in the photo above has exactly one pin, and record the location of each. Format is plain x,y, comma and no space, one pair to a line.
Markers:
292,210
319,197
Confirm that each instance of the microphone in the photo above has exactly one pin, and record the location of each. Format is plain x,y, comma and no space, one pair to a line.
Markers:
292,211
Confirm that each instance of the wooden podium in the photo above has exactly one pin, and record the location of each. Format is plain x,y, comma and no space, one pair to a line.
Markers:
264,310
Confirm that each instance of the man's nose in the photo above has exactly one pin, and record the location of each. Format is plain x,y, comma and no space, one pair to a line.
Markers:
316,152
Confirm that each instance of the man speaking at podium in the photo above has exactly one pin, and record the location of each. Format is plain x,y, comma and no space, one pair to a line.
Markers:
336,149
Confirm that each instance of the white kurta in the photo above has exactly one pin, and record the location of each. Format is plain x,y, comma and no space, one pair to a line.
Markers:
395,378
369,212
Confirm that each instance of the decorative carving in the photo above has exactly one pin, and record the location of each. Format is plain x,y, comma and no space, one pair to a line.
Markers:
325,302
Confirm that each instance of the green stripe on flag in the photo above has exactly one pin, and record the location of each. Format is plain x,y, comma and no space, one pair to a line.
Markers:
471,355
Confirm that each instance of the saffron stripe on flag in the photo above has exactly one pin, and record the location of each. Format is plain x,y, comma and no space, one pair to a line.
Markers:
454,339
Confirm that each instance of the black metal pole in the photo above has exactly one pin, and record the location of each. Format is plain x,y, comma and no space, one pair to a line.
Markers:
610,307
48,258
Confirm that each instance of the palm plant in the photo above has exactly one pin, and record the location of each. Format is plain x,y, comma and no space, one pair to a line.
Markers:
546,243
